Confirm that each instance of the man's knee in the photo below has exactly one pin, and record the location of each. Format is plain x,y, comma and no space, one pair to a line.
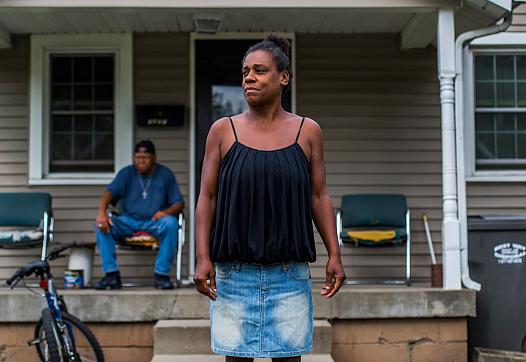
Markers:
170,222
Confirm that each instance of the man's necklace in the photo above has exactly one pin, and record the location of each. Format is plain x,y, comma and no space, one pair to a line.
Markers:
144,189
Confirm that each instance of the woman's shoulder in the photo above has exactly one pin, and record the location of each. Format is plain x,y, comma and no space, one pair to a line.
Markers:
222,124
221,134
310,128
219,127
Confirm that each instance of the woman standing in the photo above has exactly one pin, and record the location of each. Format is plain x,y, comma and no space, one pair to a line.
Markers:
263,182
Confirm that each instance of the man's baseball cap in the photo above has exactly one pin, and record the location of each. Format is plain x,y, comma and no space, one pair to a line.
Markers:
146,145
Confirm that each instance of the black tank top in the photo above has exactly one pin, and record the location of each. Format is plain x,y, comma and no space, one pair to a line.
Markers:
263,209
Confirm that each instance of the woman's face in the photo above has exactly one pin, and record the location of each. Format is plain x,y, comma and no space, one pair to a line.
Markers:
262,82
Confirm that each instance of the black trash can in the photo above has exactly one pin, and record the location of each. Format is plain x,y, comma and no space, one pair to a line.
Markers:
497,260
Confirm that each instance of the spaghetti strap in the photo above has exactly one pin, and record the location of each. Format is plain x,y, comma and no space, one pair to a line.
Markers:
298,135
233,128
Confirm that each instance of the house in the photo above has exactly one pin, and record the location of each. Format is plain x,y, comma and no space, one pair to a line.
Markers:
379,77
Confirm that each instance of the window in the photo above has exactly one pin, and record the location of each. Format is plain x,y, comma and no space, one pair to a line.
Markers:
82,113
500,111
81,99
494,90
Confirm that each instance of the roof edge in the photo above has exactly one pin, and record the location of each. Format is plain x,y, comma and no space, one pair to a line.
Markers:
365,4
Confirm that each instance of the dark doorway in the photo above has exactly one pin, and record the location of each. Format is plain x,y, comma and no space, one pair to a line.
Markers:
218,88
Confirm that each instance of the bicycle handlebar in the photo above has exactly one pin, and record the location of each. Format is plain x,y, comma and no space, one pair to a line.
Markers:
54,253
36,265
27,270
14,278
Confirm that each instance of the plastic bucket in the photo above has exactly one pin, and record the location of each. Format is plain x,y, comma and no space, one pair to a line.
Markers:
81,258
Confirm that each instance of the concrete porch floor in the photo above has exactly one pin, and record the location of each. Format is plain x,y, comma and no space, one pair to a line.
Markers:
147,304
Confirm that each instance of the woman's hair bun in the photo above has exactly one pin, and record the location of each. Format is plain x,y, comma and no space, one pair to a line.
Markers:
280,41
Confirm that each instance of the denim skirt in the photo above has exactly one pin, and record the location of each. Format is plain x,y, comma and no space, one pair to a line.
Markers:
262,310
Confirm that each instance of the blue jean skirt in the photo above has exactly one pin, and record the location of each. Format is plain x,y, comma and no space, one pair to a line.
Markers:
262,310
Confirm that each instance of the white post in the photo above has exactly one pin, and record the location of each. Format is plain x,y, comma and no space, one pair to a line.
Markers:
446,76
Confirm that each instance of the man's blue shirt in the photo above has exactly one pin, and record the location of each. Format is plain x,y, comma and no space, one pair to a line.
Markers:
161,188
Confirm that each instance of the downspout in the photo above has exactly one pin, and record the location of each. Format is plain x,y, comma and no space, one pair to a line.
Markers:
460,44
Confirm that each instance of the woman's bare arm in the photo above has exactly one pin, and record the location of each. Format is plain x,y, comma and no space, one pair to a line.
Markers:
323,212
205,211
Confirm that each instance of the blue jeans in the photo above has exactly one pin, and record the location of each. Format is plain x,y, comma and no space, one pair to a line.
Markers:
164,229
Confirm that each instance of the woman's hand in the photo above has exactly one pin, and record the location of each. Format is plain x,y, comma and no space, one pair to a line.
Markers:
334,277
204,272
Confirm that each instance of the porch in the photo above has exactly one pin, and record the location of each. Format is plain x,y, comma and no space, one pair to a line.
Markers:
366,72
359,324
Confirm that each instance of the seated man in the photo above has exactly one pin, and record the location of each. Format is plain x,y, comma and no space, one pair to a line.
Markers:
149,197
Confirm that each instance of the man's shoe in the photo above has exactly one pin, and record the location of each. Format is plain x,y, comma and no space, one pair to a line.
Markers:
162,282
110,281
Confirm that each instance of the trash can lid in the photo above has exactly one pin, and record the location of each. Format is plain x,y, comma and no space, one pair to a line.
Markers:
497,222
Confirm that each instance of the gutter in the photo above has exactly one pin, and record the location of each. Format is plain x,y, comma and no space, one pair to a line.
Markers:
460,51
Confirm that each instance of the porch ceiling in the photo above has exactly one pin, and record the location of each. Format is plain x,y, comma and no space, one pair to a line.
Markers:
176,20
415,20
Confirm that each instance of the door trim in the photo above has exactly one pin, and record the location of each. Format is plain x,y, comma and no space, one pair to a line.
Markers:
192,129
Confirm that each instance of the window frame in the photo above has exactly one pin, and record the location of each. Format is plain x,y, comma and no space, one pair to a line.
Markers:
42,46
499,44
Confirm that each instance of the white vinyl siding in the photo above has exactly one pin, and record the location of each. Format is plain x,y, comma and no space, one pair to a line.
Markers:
519,19
379,112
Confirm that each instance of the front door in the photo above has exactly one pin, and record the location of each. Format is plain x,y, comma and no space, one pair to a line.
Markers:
218,88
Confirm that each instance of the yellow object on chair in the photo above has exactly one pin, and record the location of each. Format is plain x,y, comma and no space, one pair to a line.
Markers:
143,240
372,235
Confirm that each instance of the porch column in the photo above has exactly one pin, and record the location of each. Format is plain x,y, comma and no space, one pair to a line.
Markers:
446,76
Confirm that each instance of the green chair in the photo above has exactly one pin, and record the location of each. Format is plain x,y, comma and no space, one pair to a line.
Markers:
26,219
375,221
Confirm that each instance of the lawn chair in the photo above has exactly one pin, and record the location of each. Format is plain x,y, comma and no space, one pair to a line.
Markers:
145,241
26,220
375,220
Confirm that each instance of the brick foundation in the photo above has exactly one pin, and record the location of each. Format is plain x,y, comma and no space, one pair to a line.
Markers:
404,340
372,340
130,342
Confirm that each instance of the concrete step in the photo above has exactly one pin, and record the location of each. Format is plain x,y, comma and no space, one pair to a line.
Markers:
192,337
216,358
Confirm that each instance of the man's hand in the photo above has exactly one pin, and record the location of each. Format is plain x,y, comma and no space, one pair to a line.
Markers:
334,277
159,215
204,272
103,222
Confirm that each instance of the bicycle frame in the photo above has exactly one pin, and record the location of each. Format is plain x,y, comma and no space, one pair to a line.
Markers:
51,296
55,303
57,306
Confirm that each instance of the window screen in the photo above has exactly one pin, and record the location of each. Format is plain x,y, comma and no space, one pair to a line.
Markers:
82,109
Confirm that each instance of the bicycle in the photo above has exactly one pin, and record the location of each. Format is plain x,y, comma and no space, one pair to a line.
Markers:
59,336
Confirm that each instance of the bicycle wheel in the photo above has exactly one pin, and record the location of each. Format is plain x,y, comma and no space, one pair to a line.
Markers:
47,332
83,346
